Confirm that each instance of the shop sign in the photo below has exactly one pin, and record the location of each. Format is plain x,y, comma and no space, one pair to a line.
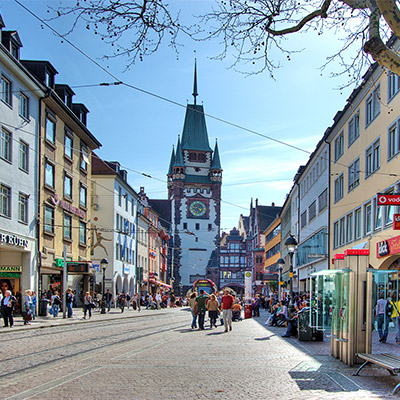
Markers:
127,269
396,221
388,247
78,268
388,199
339,256
68,207
13,240
356,252
11,268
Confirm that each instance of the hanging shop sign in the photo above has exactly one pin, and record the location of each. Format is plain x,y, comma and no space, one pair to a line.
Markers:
68,206
396,221
388,199
127,269
13,240
78,268
388,247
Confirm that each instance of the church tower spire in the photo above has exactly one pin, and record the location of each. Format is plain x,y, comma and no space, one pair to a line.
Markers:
195,94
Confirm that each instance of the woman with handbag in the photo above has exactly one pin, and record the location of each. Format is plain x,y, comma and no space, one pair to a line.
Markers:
87,305
192,304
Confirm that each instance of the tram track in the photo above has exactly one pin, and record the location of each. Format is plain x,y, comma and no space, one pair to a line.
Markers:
80,352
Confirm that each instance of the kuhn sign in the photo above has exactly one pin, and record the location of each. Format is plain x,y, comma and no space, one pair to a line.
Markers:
388,199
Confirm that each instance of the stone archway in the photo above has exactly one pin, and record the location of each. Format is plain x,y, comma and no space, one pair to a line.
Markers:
131,287
118,285
126,285
391,262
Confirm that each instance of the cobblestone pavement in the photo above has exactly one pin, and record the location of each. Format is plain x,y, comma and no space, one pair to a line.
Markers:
160,357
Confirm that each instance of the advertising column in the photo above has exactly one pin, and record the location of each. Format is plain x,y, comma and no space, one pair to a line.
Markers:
248,293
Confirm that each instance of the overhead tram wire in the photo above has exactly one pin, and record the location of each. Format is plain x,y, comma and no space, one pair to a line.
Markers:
240,127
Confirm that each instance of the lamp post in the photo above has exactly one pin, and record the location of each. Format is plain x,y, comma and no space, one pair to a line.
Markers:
103,265
291,244
281,263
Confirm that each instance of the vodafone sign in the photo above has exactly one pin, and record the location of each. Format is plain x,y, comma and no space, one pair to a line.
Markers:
388,199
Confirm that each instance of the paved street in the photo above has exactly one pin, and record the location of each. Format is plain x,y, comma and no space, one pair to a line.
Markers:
158,356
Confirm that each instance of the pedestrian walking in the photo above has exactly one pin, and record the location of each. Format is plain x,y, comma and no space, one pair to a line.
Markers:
87,305
213,310
121,301
192,304
69,298
136,299
201,308
158,299
226,305
55,302
128,300
8,303
108,297
34,303
26,307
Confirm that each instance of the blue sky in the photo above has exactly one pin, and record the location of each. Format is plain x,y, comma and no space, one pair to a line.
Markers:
138,130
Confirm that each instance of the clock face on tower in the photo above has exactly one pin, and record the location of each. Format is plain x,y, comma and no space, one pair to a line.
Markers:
197,208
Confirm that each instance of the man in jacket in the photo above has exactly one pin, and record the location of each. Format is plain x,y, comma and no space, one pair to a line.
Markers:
226,305
201,308
8,303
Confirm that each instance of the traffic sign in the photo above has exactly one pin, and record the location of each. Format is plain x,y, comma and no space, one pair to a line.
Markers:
388,199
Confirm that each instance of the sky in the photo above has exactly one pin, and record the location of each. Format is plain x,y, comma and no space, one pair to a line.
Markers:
138,129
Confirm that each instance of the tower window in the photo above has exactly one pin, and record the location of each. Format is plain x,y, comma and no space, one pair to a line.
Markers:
209,227
197,227
201,157
192,157
185,225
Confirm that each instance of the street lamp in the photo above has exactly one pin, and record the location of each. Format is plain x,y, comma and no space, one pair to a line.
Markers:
281,263
291,244
103,265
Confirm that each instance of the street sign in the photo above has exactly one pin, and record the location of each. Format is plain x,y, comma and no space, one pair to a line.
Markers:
388,199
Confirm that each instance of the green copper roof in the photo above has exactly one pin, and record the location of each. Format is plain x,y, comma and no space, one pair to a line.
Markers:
194,136
197,179
172,162
216,163
179,155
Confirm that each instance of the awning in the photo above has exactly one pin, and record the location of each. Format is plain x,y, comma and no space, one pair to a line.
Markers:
161,283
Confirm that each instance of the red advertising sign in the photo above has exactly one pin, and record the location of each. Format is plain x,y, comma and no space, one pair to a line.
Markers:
388,199
396,221
356,252
388,247
339,256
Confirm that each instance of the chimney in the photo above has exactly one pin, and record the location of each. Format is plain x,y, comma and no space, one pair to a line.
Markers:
256,202
273,204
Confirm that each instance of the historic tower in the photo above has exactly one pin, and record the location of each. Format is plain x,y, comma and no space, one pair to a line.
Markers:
194,190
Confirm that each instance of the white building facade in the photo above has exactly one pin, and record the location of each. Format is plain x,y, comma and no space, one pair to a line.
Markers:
20,126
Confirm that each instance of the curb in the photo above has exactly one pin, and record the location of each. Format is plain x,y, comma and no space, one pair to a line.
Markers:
76,322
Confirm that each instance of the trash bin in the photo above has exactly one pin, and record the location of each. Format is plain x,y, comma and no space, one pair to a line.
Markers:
43,303
307,333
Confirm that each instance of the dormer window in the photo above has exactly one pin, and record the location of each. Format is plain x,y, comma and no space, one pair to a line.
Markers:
15,51
192,157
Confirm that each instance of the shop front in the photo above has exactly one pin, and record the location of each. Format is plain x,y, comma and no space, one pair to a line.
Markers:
17,265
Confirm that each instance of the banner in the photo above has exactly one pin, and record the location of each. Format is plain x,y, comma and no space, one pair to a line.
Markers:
248,285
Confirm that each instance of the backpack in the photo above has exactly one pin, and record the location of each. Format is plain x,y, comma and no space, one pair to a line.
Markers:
389,309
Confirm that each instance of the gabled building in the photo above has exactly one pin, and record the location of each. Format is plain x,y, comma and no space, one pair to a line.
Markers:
194,189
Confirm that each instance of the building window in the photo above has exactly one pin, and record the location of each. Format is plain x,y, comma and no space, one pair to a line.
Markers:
372,158
354,174
312,211
50,129
6,145
197,226
120,197
67,227
373,105
357,224
83,196
67,186
389,211
82,232
377,216
349,228
49,219
393,140
49,175
342,231
209,227
133,206
185,225
23,208
339,185
24,156
339,146
126,201
303,219
23,106
6,90
367,218
68,145
84,157
393,85
323,200
5,201
354,128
